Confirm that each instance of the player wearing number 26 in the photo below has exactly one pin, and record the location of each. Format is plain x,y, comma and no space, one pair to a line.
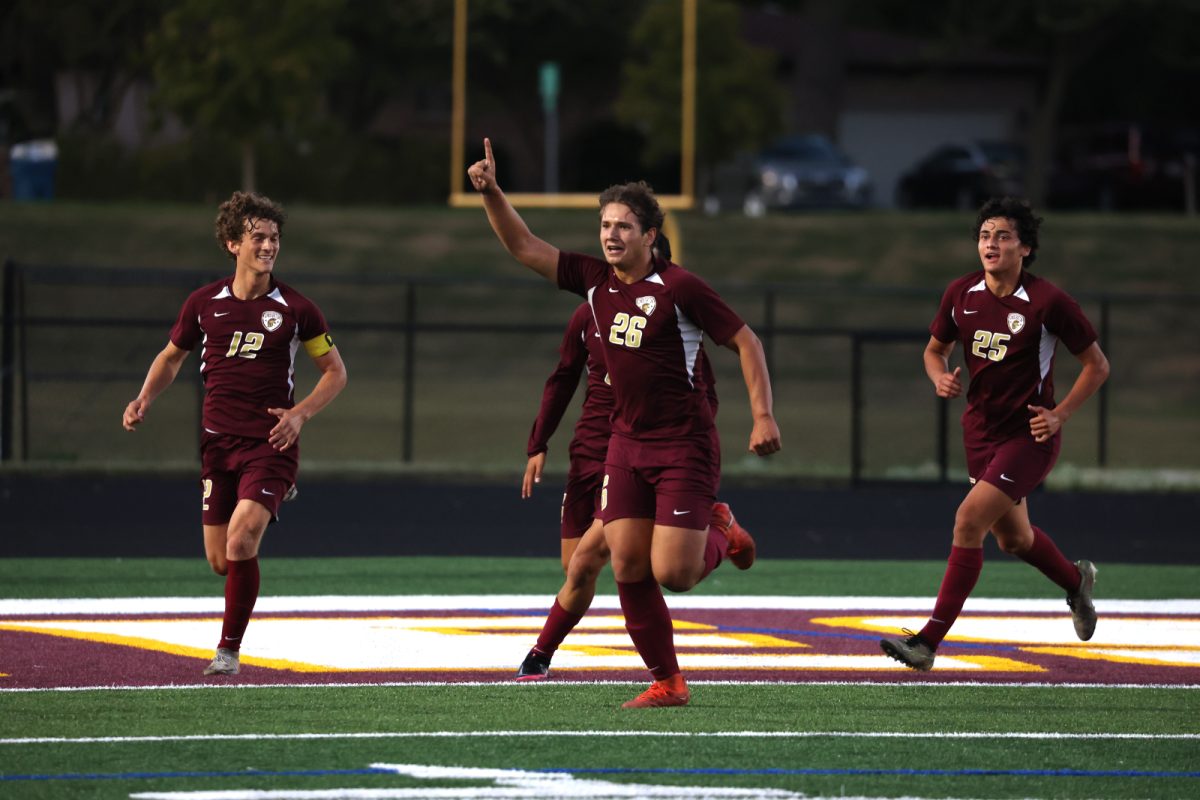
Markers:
248,327
1009,322
662,465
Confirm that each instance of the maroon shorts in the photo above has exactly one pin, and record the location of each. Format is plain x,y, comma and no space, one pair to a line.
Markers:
1015,466
672,481
234,468
581,500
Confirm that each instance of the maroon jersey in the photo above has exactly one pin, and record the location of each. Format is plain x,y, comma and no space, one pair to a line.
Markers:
1009,344
580,348
248,352
652,332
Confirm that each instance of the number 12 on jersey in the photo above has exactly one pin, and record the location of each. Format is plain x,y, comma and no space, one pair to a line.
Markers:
249,348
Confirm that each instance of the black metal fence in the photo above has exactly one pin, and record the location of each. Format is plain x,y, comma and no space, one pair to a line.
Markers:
447,374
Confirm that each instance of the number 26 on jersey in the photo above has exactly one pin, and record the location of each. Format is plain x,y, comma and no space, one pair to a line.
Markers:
626,330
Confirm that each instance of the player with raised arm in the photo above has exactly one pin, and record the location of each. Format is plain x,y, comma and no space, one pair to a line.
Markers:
584,550
248,327
662,466
1009,322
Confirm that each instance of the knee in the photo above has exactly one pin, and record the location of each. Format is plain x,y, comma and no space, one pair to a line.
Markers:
218,563
675,580
967,531
583,572
1014,545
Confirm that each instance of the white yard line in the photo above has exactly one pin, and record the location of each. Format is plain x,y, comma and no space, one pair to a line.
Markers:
590,734
536,686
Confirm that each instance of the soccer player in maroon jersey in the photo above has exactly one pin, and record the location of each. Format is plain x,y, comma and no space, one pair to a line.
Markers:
248,327
1009,322
584,550
662,466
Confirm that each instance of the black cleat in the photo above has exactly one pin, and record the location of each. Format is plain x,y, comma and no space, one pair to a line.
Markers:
535,667
911,651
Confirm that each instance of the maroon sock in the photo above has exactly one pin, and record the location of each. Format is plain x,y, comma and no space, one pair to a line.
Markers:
559,622
962,571
1045,555
714,550
649,624
241,592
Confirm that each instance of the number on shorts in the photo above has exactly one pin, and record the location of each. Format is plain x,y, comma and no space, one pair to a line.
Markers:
207,493
604,493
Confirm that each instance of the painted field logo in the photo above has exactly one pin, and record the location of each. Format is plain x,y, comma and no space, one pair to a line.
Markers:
379,639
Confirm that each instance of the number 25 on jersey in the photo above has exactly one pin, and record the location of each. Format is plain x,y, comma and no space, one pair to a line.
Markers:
990,345
626,330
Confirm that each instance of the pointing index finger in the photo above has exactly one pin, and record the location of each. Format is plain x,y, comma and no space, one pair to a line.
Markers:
487,151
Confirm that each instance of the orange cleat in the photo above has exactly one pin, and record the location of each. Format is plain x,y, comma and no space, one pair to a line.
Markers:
741,544
672,691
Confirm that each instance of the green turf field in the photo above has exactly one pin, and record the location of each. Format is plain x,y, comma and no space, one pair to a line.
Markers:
909,739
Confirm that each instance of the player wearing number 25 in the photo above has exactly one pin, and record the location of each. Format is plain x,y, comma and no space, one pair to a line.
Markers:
1009,322
248,328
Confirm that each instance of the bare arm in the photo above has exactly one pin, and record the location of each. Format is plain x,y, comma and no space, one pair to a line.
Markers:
1048,421
329,385
161,374
764,437
514,234
937,367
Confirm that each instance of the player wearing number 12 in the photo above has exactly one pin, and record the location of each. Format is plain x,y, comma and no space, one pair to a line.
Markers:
248,327
1009,322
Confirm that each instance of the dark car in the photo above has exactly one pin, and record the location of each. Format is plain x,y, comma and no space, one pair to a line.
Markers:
962,175
803,171
1121,166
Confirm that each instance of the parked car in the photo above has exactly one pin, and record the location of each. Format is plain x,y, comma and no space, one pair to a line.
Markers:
802,171
1122,166
962,175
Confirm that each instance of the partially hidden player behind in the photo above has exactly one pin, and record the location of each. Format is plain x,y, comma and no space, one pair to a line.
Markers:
662,466
248,327
584,550
1009,322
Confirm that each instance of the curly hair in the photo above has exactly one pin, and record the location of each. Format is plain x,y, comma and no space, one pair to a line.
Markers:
639,196
240,212
1020,212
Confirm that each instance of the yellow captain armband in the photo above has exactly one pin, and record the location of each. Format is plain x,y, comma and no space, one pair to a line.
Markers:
319,345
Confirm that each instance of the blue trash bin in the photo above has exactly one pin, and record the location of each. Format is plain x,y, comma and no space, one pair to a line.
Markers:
31,166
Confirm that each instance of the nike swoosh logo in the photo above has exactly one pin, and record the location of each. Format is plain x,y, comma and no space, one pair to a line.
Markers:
220,313
680,513
1004,477
614,291
264,491
970,312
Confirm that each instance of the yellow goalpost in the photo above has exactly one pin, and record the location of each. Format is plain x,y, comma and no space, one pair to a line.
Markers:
683,201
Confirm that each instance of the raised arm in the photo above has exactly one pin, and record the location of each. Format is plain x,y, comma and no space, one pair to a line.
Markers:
161,374
514,234
764,437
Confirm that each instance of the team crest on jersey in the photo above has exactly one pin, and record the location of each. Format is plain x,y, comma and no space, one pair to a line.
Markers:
1016,322
271,320
647,304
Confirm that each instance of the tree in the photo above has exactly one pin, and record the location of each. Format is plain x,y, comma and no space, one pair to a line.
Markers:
244,71
739,104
